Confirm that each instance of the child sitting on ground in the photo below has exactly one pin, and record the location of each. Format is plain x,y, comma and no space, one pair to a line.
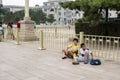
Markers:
72,51
85,53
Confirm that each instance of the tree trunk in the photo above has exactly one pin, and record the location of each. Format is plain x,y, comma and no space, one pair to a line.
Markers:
106,15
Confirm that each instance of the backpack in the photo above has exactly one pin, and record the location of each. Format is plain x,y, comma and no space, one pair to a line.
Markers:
95,62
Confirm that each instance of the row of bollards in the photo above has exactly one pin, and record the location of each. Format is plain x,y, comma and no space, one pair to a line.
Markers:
41,38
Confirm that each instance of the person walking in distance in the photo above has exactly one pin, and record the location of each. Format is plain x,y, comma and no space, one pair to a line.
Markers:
18,26
10,31
1,32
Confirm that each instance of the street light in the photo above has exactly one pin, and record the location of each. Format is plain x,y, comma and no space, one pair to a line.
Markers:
56,7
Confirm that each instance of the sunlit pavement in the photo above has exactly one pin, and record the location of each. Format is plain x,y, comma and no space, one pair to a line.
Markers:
20,62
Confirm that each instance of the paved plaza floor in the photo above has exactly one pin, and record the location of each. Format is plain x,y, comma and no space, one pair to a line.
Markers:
20,62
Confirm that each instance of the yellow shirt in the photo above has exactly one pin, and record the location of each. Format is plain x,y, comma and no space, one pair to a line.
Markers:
74,47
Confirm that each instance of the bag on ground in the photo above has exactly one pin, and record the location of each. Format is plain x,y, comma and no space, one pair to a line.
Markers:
95,62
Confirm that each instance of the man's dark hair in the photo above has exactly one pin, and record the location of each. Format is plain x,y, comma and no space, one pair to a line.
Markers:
82,45
75,39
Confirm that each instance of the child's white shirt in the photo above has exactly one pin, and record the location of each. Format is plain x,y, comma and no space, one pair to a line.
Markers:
85,51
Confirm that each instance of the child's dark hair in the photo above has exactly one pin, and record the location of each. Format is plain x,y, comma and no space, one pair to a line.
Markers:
75,39
82,45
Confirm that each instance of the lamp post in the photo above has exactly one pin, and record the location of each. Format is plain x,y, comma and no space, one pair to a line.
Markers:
56,13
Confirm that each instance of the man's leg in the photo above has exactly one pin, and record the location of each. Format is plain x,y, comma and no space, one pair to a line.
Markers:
65,52
75,62
74,57
75,54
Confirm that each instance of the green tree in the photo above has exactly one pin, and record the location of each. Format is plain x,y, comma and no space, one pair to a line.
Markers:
9,17
2,13
1,10
17,16
93,8
36,15
50,18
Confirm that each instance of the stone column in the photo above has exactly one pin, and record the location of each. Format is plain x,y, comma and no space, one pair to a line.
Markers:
27,17
26,8
27,26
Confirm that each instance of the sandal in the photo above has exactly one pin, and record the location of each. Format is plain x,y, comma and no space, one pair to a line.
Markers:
75,63
86,62
64,57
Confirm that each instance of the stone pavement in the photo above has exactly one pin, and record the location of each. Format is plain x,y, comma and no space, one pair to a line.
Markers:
20,62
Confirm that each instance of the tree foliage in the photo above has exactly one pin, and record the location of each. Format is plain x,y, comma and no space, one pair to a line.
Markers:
8,17
2,12
50,18
36,15
93,8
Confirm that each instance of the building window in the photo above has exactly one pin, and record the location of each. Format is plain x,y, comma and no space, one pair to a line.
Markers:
79,14
64,19
59,8
64,13
59,19
51,3
110,14
72,14
59,13
45,9
52,9
45,4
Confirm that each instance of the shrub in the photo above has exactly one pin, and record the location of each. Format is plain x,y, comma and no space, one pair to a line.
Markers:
102,28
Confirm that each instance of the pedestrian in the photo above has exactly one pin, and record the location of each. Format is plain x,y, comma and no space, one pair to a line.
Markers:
10,31
68,26
35,25
12,34
18,26
1,32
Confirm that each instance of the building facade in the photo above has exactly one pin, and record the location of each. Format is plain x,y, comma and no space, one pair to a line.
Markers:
111,14
1,2
62,16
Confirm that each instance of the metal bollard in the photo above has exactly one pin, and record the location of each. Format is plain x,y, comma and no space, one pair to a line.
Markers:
41,41
81,37
17,37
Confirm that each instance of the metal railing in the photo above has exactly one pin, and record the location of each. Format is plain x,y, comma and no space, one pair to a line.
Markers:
105,47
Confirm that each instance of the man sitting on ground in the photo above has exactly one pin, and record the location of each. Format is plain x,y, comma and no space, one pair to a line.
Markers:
85,53
72,50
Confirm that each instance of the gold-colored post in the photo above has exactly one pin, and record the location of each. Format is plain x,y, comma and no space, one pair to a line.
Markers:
17,37
41,41
56,32
81,37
